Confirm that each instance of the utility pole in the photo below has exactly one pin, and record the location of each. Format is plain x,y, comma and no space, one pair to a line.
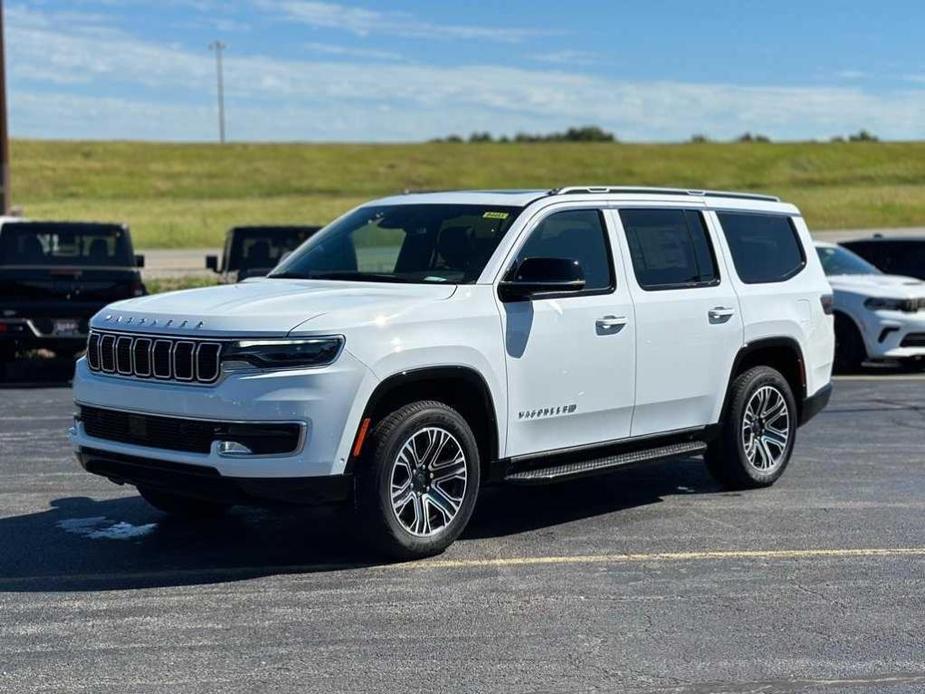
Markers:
4,129
218,47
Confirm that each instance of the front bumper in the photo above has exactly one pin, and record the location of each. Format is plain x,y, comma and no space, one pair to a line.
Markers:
894,334
203,482
327,402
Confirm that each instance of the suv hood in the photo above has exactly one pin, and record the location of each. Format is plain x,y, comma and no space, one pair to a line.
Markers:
889,286
262,306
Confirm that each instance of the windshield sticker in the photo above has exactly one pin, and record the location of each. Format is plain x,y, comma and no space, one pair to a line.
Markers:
495,215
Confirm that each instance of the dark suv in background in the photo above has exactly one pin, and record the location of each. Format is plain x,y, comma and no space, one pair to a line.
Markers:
252,251
55,275
894,255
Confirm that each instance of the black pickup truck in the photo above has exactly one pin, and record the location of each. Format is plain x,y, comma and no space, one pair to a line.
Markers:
55,275
252,251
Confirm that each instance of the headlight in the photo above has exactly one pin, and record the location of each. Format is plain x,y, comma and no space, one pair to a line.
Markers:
283,353
879,304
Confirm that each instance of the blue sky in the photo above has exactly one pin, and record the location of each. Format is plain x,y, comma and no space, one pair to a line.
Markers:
404,71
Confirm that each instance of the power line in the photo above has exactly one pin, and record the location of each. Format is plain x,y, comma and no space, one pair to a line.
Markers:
218,47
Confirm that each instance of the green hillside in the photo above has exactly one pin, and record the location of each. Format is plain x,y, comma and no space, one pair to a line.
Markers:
186,195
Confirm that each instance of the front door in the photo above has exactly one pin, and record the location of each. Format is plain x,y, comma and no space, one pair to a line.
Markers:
571,359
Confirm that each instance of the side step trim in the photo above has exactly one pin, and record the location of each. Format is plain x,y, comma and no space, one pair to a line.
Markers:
589,467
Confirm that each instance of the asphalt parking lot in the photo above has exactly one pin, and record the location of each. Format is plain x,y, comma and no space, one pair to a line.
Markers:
650,579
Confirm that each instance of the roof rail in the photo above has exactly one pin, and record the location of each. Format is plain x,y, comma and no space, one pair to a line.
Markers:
663,191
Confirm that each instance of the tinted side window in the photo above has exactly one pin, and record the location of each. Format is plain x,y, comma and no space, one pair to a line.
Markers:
670,249
765,248
576,234
898,258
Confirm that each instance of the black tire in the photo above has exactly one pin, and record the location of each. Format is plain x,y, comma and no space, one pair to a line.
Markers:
726,458
850,352
379,524
183,506
7,355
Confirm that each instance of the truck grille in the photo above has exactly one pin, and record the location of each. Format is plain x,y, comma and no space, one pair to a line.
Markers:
156,357
188,435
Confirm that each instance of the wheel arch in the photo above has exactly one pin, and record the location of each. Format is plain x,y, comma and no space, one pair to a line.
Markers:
844,315
781,353
461,387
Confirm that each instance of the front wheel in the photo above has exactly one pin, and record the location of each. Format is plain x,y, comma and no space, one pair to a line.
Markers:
418,487
758,433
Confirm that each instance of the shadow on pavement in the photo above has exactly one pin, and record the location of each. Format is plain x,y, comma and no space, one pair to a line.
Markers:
81,544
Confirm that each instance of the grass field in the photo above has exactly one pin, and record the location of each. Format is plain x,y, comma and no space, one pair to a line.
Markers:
187,195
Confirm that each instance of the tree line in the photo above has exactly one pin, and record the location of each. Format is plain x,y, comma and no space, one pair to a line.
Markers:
592,133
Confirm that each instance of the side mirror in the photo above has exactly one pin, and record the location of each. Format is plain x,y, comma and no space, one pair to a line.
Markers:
536,278
139,261
212,263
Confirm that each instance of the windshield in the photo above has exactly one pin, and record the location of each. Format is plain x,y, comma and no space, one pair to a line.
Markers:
840,261
57,244
403,243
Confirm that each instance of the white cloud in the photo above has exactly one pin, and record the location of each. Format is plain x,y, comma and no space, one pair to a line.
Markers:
364,22
63,85
566,57
351,52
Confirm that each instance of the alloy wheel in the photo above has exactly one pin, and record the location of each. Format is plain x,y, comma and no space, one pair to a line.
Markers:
766,428
428,481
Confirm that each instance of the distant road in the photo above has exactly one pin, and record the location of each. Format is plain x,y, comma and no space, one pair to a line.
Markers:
180,262
837,235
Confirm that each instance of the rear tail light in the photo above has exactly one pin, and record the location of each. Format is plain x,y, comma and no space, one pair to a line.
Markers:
828,304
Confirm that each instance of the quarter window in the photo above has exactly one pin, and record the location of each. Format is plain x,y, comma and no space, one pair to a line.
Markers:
764,248
578,235
670,248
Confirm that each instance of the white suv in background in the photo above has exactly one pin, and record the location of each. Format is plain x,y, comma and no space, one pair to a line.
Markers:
877,316
423,345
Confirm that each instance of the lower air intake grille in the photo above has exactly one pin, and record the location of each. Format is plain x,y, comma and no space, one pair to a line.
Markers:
913,340
188,435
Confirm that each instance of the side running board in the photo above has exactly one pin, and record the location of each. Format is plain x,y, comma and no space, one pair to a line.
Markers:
580,468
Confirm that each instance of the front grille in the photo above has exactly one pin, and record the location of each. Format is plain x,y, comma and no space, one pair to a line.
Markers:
188,435
913,340
162,358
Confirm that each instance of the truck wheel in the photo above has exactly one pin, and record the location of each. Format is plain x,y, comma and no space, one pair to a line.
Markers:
850,351
758,432
182,506
417,488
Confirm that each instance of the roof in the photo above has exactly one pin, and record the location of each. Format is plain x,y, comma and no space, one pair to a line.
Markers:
522,198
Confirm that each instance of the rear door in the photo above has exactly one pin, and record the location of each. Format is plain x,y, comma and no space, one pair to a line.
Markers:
570,359
688,321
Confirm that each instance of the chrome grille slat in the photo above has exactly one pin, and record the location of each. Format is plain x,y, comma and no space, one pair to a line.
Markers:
162,357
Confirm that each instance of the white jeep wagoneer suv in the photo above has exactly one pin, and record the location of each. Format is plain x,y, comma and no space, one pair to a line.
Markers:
422,345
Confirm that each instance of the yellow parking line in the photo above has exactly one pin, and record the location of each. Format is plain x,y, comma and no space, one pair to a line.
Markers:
715,555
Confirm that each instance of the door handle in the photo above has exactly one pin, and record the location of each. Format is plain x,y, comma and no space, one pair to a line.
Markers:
610,324
720,314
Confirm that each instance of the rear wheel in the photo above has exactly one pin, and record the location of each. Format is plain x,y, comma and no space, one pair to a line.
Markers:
182,506
758,433
850,351
418,487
